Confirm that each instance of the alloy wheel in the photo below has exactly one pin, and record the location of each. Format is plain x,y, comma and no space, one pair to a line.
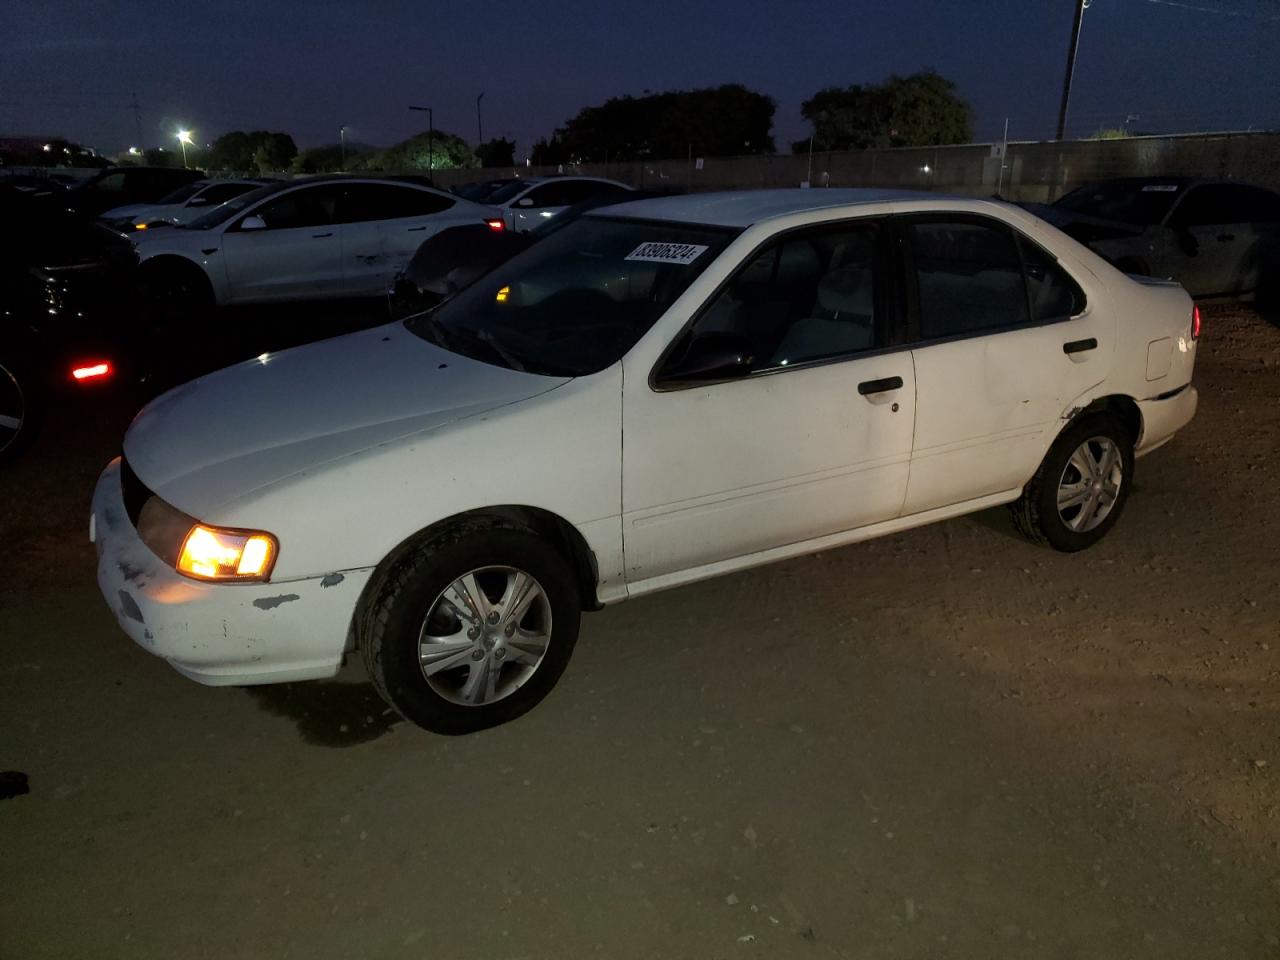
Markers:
1090,484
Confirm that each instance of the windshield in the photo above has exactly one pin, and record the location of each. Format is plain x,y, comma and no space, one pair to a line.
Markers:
235,205
182,194
1139,203
575,302
509,192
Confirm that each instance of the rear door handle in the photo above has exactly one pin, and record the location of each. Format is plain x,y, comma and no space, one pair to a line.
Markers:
416,229
880,386
317,236
1080,346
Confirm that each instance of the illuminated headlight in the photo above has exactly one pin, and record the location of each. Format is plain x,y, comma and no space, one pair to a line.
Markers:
205,552
213,554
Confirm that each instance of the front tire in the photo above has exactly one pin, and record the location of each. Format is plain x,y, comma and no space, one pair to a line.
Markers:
20,404
1082,485
471,627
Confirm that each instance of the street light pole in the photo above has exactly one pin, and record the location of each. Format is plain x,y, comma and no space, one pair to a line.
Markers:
342,140
184,137
1071,64
479,126
431,133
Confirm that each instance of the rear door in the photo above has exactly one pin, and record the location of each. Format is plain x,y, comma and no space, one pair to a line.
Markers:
383,224
1213,237
1004,341
297,255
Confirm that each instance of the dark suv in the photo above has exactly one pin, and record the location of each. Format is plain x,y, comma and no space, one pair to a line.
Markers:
118,186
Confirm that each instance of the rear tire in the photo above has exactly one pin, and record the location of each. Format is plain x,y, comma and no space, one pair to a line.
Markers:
1082,485
471,627
21,403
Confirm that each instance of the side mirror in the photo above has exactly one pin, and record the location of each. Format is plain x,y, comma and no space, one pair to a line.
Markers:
253,223
525,202
709,357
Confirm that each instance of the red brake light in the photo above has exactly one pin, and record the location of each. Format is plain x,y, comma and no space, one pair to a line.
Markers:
1195,322
94,371
496,224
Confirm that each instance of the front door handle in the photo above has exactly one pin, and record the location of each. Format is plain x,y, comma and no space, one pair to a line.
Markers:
317,236
1080,346
880,386
1226,237
416,229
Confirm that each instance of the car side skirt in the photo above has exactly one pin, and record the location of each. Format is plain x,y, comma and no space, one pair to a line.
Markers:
706,571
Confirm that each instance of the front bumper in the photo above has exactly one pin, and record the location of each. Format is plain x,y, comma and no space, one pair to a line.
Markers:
1161,419
219,633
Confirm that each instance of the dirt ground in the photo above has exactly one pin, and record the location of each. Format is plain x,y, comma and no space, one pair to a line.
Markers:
947,743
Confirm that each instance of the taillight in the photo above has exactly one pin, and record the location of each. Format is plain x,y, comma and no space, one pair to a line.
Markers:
496,224
92,371
1195,322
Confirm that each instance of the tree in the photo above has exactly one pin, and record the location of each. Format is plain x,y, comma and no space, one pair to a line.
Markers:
435,150
549,153
499,152
916,111
260,151
716,121
160,157
320,159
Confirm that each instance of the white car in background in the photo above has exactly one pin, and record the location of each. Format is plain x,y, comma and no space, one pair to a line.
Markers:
317,238
791,370
182,206
527,202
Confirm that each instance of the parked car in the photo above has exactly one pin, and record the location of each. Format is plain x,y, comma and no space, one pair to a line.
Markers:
455,258
526,202
45,186
1209,235
322,237
69,315
181,206
117,186
792,370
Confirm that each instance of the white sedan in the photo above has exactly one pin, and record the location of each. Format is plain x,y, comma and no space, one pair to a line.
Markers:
299,240
529,201
663,391
182,206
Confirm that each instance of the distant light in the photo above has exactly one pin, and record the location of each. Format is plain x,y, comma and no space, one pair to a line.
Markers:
926,168
47,148
184,136
92,372
135,152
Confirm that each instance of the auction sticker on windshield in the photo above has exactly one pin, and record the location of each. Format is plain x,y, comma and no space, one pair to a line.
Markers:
681,253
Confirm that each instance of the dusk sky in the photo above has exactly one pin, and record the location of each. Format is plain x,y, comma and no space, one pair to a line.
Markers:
70,68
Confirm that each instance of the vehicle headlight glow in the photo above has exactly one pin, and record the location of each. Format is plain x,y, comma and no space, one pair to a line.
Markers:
213,554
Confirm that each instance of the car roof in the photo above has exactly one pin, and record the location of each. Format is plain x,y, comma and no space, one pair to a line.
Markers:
742,208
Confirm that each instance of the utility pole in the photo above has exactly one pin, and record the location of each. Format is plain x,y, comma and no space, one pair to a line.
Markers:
1071,64
479,126
342,141
137,120
431,134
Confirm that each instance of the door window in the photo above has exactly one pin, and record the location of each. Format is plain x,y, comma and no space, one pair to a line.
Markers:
1053,294
363,202
312,207
554,194
1214,203
809,296
222,192
969,276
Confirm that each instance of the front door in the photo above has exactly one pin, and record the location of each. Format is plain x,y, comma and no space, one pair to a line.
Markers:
383,224
1005,341
814,439
295,254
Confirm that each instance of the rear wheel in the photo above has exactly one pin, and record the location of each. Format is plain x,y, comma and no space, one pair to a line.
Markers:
1082,485
19,404
472,627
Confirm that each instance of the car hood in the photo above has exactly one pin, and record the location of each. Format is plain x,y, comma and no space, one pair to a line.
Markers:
130,210
217,439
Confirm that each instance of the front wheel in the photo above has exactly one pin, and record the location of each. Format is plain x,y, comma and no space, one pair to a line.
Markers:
1081,488
19,405
472,627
